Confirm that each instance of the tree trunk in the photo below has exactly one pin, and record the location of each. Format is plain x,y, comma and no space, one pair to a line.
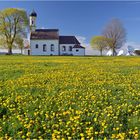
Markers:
114,52
9,50
101,52
21,51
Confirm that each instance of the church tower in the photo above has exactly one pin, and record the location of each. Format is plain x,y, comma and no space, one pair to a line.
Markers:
33,17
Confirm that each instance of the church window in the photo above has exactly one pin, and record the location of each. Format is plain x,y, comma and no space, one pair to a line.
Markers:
36,46
52,48
32,22
44,48
63,48
70,48
77,50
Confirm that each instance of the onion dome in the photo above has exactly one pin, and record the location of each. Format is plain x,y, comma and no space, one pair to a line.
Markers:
33,14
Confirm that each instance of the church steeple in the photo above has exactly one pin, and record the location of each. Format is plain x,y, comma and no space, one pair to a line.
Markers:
33,17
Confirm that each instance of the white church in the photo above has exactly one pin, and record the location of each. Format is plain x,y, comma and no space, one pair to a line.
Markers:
49,42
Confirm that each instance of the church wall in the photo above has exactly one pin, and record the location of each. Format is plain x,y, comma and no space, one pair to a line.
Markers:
67,51
39,50
78,51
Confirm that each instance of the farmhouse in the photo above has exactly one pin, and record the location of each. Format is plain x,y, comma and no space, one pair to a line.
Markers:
49,42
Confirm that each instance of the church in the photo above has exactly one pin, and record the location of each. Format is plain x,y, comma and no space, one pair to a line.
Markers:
49,42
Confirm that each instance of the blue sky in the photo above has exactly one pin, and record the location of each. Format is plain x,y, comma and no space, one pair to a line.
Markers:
83,18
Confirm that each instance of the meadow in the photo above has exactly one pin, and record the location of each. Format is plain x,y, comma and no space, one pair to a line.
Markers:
60,97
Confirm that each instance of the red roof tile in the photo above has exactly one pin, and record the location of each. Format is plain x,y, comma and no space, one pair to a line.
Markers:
45,34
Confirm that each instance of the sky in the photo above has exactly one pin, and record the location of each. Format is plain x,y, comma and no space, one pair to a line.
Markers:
83,19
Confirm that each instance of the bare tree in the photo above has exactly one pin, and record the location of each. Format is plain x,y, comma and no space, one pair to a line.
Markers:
116,34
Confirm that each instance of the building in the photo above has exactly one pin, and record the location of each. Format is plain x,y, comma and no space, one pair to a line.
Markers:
49,42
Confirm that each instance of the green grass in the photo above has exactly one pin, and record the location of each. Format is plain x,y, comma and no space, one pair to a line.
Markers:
69,97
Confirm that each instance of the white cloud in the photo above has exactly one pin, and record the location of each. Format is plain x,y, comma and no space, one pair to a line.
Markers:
129,47
133,44
81,39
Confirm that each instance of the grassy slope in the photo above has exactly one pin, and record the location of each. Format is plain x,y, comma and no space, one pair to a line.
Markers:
77,97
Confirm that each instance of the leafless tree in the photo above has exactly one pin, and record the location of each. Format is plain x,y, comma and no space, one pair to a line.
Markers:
116,34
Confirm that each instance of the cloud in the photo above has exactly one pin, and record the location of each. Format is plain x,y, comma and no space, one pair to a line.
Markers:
129,47
135,45
81,39
83,42
42,27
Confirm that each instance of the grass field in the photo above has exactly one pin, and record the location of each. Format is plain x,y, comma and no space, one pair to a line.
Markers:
69,97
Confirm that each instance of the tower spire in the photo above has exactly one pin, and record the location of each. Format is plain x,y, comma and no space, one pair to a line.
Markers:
33,17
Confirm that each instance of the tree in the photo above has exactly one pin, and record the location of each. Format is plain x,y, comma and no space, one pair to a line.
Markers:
116,34
20,43
137,52
13,25
99,42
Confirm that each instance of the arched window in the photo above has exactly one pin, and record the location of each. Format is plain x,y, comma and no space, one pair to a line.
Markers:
44,48
52,47
36,46
70,48
64,48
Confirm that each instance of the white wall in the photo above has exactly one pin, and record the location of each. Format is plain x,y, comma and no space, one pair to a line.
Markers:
33,25
39,50
67,49
80,51
25,51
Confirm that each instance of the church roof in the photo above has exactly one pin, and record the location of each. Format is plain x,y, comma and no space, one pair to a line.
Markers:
33,14
45,34
78,46
68,40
